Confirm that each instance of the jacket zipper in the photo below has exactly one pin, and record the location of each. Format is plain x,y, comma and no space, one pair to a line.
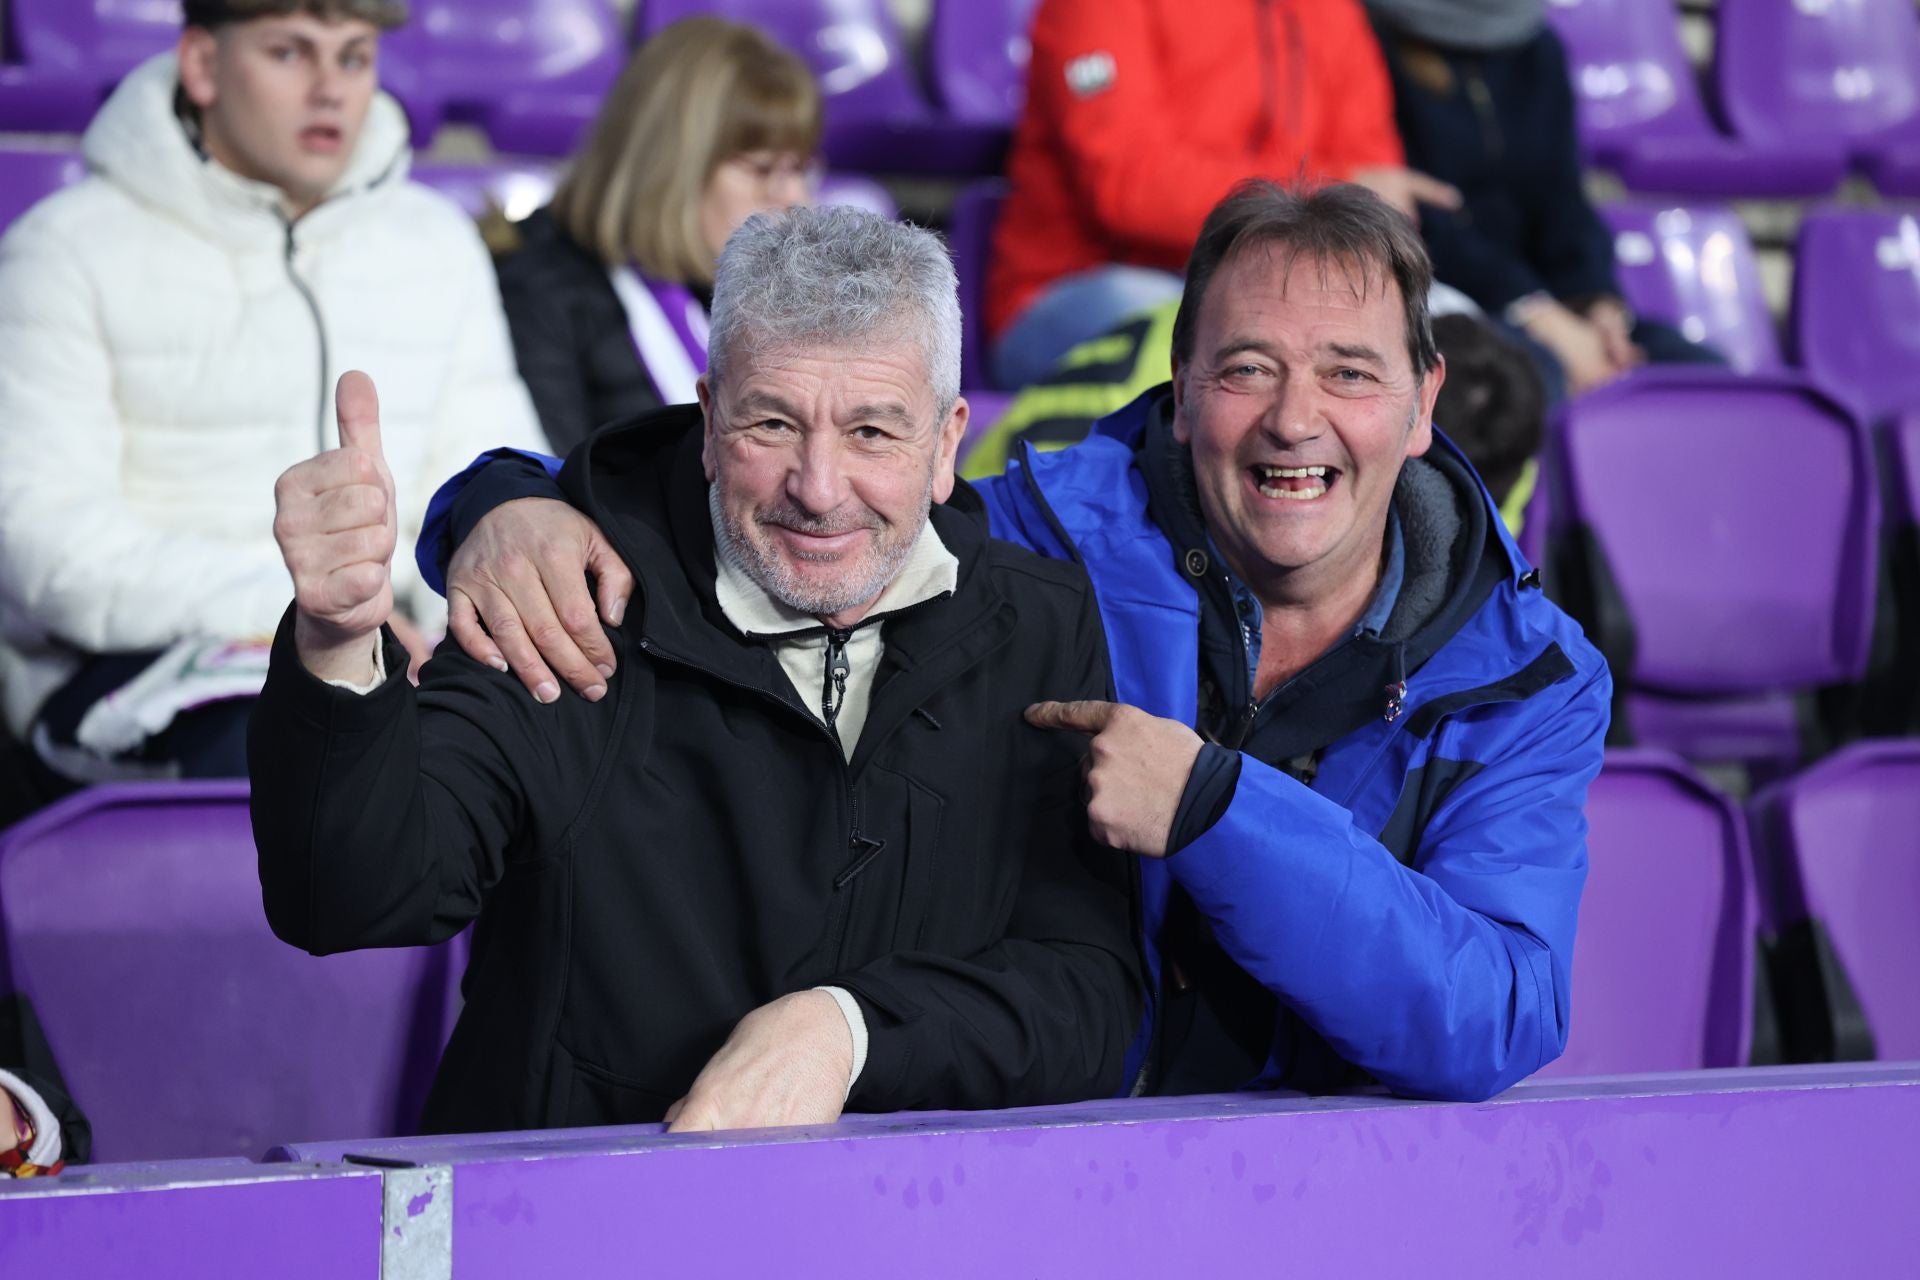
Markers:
320,328
864,850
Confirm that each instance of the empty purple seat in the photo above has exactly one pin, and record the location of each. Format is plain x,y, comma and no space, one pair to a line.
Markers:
1856,307
132,920
1663,962
1841,887
970,223
1641,115
530,72
63,56
1718,541
877,118
857,192
27,177
1694,268
1839,73
979,51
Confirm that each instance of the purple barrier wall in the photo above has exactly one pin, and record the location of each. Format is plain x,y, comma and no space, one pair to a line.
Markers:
210,1220
1774,1172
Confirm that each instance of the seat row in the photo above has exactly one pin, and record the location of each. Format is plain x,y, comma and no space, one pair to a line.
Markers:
1804,90
131,920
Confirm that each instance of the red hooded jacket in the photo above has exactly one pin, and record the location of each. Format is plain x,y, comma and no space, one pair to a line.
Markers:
1142,114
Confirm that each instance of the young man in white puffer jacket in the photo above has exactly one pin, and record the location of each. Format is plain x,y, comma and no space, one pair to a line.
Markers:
170,333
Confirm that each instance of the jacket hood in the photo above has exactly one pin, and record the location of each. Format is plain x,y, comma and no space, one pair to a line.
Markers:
642,481
139,144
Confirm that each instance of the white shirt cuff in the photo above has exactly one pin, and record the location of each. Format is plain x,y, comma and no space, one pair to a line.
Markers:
46,1130
379,670
856,1027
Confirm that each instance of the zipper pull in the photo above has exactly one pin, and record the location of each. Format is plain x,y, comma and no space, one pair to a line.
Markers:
833,685
1396,699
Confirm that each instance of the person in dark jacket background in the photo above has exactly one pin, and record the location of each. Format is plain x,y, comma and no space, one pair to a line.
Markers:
1483,102
607,295
802,852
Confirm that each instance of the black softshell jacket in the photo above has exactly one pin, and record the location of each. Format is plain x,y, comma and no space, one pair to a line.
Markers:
644,870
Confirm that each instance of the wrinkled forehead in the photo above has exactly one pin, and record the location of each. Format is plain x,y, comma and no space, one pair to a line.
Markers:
823,382
1301,272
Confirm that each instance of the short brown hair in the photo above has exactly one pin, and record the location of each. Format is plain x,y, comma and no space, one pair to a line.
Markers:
214,14
1337,223
697,94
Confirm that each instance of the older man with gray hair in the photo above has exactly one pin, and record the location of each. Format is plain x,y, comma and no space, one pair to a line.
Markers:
802,853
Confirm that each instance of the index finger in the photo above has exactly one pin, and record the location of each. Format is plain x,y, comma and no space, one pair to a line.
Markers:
1083,717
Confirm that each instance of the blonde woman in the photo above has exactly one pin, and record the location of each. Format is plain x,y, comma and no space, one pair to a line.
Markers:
711,122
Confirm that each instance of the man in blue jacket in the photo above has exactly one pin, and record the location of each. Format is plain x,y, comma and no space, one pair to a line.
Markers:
1352,740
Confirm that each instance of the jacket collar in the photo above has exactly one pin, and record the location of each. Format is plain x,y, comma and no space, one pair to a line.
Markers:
139,144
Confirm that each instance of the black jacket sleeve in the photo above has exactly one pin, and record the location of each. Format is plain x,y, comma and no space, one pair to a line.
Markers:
1571,247
1045,1014
381,820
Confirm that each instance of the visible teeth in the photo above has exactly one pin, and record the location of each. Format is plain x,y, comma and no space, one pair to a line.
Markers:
1299,495
1293,473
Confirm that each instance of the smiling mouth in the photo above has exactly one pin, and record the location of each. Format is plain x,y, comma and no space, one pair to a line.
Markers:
1293,484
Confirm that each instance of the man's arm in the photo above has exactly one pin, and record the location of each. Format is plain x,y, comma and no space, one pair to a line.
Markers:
77,560
1448,979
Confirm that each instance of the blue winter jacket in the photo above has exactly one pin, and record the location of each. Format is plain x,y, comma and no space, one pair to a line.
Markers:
1439,966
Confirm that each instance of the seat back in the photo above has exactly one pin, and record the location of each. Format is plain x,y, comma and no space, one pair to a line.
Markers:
99,39
857,192
1844,71
970,225
1694,268
1856,307
854,47
132,921
1663,959
1737,517
1631,78
27,177
979,52
531,72
1841,847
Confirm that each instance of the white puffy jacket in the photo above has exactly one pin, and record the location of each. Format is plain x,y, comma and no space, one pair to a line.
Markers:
168,346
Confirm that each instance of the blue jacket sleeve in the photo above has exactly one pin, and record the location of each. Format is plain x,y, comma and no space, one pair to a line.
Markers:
497,476
1448,979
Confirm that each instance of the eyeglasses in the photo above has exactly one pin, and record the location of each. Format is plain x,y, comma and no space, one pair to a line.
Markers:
775,170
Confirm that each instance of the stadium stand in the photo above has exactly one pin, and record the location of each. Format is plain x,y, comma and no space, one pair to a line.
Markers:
1642,116
1856,307
27,176
1721,602
529,72
1840,879
970,233
131,920
1841,74
978,51
878,118
62,57
1694,268
1663,965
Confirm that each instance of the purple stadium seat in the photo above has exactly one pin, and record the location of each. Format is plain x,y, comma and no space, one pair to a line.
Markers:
132,921
1843,73
1857,307
26,177
979,51
1718,537
1694,268
1663,960
1641,115
63,56
516,190
970,225
1839,847
857,192
877,118
530,72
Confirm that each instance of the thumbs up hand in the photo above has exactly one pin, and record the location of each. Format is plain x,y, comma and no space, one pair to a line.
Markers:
336,522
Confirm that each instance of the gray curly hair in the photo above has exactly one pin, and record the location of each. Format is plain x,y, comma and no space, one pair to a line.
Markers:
840,276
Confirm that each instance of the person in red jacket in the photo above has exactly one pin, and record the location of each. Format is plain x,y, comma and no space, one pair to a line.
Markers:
1141,116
